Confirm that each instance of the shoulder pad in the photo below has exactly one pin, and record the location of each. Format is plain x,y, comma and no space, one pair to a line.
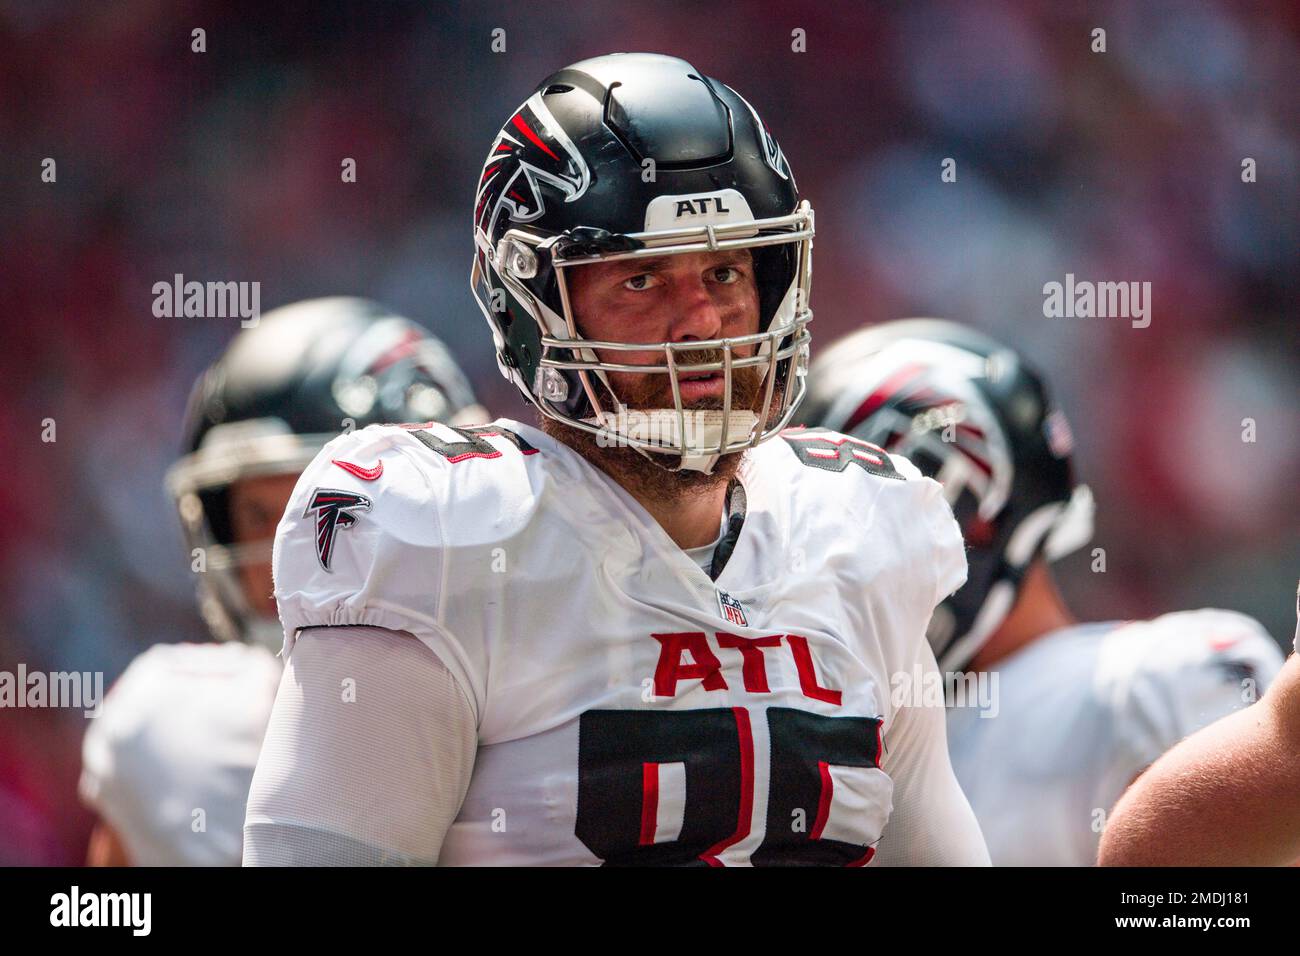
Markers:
1179,672
1208,637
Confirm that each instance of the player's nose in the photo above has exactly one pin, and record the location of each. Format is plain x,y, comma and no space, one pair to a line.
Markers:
697,315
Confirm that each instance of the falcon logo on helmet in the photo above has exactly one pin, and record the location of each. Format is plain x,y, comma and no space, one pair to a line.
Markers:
926,407
772,154
531,149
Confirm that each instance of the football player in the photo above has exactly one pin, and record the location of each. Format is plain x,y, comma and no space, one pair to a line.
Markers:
1229,795
649,631
1051,718
167,764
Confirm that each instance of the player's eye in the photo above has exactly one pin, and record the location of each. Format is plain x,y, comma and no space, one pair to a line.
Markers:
639,283
727,275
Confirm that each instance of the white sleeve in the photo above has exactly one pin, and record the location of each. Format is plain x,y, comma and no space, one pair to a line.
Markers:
946,557
103,786
932,823
367,757
385,565
176,742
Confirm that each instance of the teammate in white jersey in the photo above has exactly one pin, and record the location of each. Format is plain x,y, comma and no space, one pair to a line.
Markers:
650,631
168,763
1228,795
1050,719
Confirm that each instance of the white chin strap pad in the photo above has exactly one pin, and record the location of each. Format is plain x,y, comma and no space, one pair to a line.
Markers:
703,430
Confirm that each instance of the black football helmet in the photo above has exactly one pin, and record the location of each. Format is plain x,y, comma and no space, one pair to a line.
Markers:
628,156
971,414
306,373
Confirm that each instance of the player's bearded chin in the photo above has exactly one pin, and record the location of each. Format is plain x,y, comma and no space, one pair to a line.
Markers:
651,391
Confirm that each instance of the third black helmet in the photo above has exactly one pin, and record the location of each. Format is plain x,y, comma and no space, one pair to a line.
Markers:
971,414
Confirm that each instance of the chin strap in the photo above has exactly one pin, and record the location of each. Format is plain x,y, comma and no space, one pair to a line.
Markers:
703,429
736,508
1053,531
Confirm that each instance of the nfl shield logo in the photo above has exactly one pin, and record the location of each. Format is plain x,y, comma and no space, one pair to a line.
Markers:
733,612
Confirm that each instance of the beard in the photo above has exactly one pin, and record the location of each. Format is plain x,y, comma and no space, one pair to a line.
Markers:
653,476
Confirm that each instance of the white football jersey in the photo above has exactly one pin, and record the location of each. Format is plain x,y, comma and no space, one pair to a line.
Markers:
169,760
630,709
1082,711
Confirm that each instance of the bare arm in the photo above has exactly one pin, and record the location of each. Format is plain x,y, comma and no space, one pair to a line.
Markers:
106,847
1229,795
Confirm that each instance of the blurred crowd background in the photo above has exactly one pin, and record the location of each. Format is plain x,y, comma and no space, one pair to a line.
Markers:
225,165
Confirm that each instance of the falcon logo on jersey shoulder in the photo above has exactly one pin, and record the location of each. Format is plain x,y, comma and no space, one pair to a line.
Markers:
334,509
530,150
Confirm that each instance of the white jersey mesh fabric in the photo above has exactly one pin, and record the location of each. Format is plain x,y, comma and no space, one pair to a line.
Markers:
932,823
168,762
367,756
